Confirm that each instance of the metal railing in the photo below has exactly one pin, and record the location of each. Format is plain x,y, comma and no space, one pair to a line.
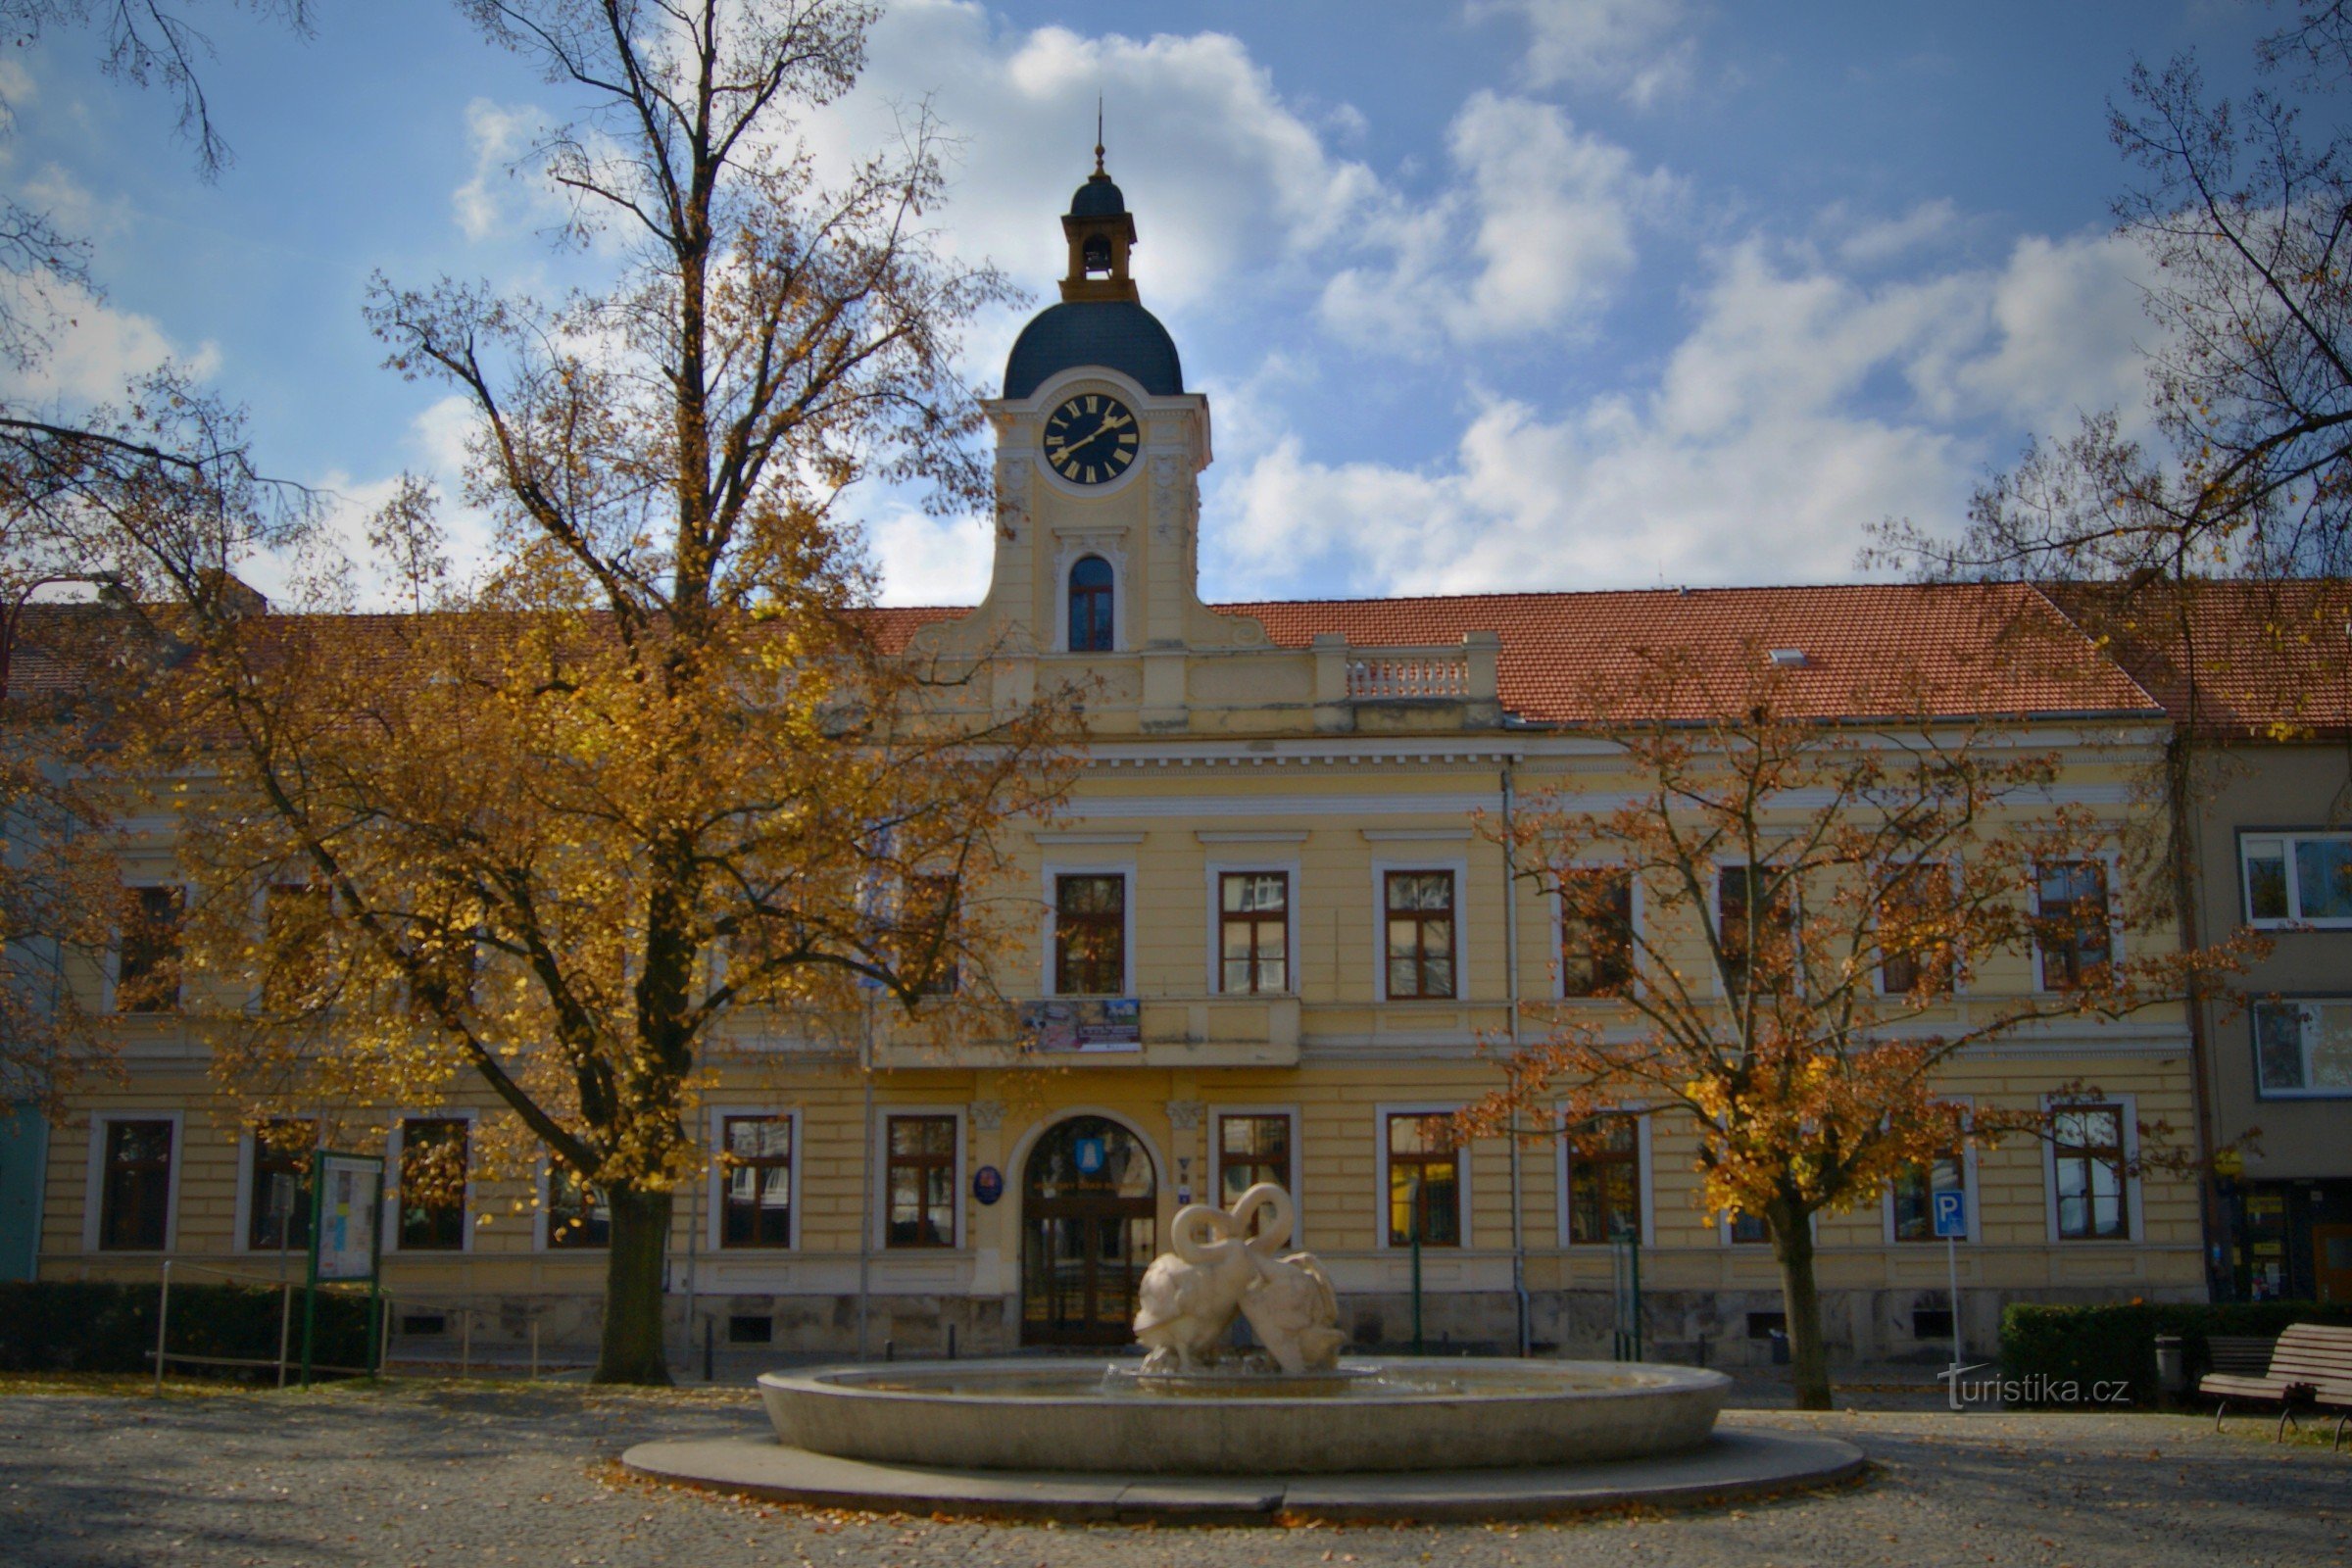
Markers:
288,1359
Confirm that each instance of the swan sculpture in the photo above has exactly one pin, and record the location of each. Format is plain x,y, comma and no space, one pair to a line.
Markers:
1216,1270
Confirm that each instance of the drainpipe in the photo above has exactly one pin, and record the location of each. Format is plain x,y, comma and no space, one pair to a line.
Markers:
1510,969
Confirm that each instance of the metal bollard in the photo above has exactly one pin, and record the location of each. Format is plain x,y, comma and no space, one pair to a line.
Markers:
710,1337
285,1328
163,1320
890,1349
951,1341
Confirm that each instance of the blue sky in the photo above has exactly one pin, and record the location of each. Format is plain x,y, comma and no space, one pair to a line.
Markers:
1503,293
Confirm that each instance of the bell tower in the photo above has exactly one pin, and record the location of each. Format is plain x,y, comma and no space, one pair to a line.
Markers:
1100,231
1099,450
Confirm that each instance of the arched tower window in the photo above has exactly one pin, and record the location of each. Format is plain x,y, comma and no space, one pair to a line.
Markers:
1090,606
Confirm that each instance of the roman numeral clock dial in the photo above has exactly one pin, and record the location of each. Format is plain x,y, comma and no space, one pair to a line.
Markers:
1092,439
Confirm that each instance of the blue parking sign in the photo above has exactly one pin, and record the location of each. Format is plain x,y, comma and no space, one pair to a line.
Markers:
1950,1207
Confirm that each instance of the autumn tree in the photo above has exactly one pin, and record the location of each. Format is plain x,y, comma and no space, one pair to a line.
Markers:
652,782
81,485
1839,903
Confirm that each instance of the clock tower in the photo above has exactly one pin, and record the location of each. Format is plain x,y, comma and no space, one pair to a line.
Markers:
1099,450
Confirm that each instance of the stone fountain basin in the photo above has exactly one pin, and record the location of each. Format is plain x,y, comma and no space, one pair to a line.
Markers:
1410,1413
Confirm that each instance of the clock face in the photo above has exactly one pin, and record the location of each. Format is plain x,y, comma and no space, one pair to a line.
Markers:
1091,439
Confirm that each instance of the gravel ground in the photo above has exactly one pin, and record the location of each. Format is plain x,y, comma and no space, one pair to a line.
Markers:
439,1474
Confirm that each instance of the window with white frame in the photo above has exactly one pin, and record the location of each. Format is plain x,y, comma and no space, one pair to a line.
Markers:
1605,1179
135,1166
277,1186
579,1218
2297,879
756,1181
2303,1048
1596,931
1253,931
2089,1178
1419,924
918,1180
2074,929
1090,934
1911,1195
434,1153
1424,1172
147,958
1253,1147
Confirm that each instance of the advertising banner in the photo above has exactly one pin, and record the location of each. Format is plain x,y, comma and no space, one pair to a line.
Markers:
1068,1025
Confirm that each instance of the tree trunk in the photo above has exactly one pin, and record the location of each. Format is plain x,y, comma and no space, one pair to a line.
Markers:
632,1349
1800,1300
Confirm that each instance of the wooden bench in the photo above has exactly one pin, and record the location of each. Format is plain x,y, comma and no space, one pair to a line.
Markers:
2310,1366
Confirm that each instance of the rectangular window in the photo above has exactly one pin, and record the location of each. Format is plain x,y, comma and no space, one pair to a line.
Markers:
277,1187
2303,1048
448,958
432,1184
1912,1195
134,1202
2072,926
1252,1147
1915,924
1253,931
1749,1230
1735,889
1420,935
757,1162
1596,933
1604,1184
2087,1157
1425,1181
2298,879
294,917
1090,936
924,943
578,1216
147,960
921,1181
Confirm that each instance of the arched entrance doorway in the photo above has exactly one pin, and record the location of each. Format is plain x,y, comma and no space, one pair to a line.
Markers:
1088,1222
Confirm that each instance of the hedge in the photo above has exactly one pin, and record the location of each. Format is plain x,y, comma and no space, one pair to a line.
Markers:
61,1325
2116,1343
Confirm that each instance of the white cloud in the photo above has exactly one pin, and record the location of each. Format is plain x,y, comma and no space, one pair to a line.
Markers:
1637,49
1800,408
1221,172
95,349
506,190
1874,242
931,561
1532,238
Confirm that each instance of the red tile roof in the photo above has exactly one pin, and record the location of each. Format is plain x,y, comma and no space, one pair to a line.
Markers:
1997,648
1975,649
2261,660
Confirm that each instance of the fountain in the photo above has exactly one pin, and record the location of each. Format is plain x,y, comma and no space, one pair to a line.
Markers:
1424,1437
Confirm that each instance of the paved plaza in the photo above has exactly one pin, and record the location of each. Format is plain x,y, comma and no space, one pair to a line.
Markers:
441,1473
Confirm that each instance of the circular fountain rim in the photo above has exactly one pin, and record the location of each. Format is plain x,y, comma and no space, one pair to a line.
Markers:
853,1380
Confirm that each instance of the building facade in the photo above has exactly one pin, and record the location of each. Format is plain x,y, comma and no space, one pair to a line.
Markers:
1274,932
2264,706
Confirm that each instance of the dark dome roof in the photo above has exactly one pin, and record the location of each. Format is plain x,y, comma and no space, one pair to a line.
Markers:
1117,334
1098,198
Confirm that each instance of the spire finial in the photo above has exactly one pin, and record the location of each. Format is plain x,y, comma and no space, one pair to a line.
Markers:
1098,133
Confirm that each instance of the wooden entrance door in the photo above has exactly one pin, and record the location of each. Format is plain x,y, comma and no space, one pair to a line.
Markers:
2332,1262
1089,1227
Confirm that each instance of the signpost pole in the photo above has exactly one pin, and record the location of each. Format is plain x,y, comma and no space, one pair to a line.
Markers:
309,1283
1949,1206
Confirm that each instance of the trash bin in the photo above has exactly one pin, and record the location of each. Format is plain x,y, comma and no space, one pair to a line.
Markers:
2172,1372
1779,1347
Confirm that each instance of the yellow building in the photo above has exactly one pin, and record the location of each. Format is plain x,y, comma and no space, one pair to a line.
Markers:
1271,936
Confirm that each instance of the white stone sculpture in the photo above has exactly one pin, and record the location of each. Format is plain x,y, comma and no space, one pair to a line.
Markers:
1295,1313
1190,1295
